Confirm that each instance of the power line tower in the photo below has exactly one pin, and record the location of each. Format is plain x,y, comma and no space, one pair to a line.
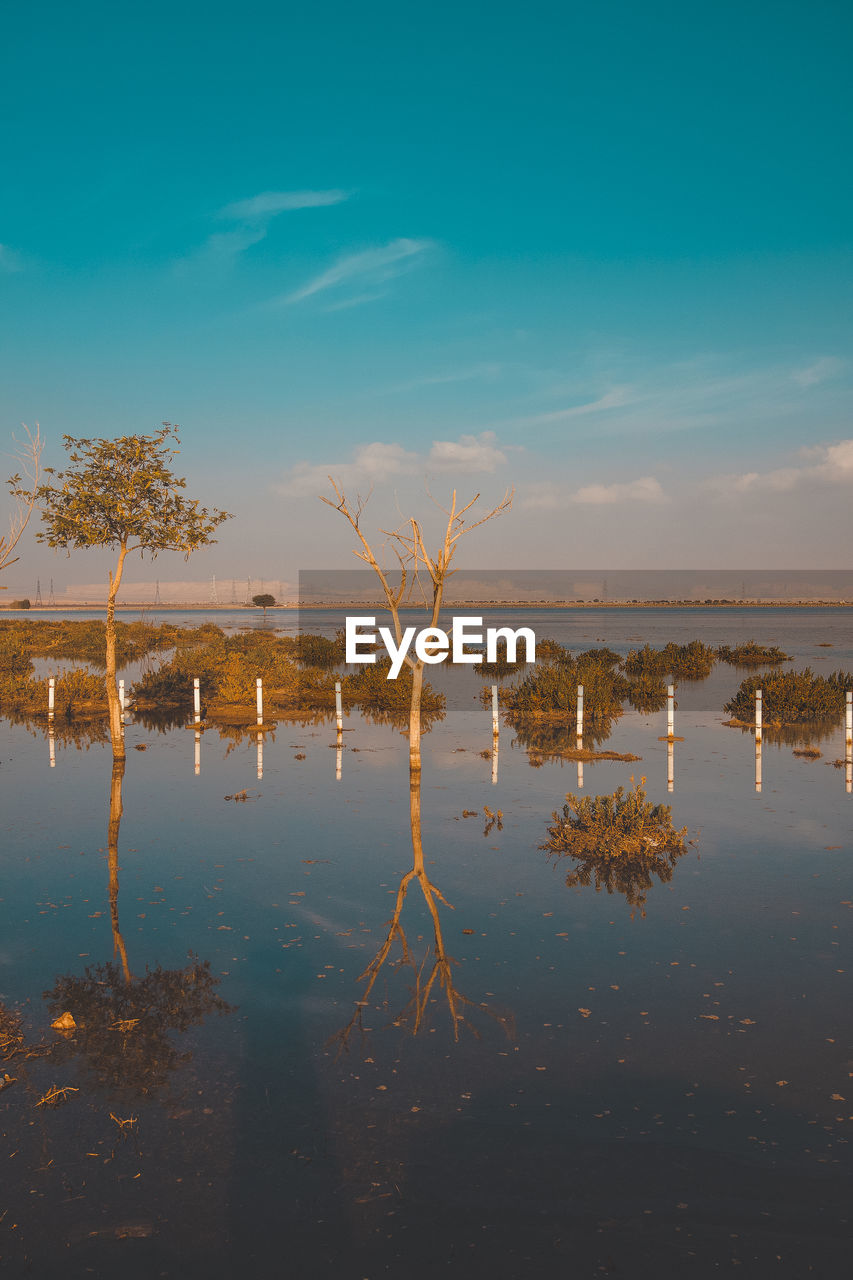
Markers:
214,598
248,591
157,599
233,591
39,600
51,599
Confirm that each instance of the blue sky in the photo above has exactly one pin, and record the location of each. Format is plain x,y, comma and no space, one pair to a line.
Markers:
601,252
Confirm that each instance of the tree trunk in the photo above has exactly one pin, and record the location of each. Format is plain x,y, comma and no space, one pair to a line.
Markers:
415,718
116,726
112,846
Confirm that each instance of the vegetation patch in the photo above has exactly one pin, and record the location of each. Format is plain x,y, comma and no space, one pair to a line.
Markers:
792,697
620,842
752,655
693,661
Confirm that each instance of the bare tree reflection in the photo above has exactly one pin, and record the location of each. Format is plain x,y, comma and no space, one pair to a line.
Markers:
124,1024
432,975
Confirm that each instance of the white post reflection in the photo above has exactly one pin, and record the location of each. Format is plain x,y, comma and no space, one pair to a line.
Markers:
757,761
197,751
339,757
51,742
579,745
670,766
495,760
260,755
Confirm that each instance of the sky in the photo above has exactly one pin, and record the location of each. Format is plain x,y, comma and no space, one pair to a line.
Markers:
600,253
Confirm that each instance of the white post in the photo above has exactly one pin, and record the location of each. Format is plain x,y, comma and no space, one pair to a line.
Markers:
495,721
758,762
670,766
196,701
121,695
579,726
259,700
339,711
197,761
51,696
758,712
260,755
495,741
670,711
848,726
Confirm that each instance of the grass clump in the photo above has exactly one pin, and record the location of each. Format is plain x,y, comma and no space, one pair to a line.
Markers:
621,842
752,655
792,697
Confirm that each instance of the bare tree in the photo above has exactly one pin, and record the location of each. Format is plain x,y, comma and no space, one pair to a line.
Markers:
407,543
22,487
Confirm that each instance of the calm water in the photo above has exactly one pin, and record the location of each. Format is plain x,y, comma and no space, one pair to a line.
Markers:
587,1089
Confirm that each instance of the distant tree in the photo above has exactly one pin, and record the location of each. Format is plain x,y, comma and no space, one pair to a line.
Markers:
264,601
23,486
122,494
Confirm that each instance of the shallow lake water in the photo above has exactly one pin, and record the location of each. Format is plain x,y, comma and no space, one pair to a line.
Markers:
532,1079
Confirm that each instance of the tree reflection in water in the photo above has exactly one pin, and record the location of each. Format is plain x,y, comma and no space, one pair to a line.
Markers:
426,978
124,1023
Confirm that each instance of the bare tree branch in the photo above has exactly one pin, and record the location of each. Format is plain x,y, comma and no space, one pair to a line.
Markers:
23,486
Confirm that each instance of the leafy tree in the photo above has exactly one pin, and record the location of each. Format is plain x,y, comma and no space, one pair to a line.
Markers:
264,601
124,495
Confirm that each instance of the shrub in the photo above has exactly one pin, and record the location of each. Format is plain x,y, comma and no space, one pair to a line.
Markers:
792,697
620,841
751,655
692,661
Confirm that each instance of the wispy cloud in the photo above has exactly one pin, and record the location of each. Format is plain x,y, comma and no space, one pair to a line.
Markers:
379,462
643,489
252,219
485,371
818,371
369,267
269,203
616,398
10,260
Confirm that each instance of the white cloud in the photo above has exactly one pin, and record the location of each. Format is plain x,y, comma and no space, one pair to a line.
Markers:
269,203
543,495
370,266
818,371
643,489
467,454
829,464
378,462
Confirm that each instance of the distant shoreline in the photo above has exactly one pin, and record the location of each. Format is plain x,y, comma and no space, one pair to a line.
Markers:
484,605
